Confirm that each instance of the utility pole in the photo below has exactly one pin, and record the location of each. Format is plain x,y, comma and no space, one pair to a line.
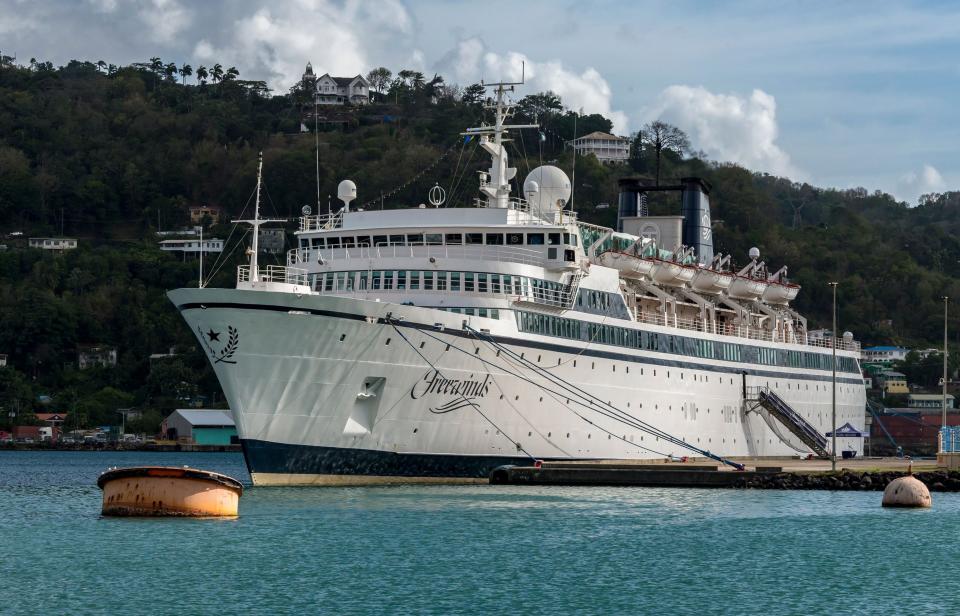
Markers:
946,302
833,406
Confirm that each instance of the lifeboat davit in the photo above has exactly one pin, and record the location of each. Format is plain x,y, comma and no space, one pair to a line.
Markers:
672,274
629,266
742,287
711,282
780,293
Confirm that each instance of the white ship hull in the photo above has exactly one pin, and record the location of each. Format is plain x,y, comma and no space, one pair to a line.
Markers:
325,390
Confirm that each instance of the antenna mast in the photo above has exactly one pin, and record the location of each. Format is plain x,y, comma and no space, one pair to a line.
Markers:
255,223
496,183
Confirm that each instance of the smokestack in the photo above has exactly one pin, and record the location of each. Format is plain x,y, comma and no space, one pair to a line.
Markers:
697,230
630,195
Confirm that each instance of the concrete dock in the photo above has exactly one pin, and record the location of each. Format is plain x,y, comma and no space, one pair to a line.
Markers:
861,474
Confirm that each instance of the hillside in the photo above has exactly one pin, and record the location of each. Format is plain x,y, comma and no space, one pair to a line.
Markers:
111,156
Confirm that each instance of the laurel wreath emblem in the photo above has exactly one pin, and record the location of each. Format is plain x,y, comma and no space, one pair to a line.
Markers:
224,355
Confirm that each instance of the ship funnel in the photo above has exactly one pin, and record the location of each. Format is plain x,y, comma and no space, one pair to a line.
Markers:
697,225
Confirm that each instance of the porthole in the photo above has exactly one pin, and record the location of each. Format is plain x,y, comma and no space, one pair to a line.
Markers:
541,398
415,430
549,434
387,343
517,397
538,358
342,337
421,344
568,435
593,365
529,433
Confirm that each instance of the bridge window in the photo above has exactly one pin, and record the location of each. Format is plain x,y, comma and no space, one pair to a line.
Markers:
553,239
473,238
515,239
494,239
535,239
434,239
415,239
454,239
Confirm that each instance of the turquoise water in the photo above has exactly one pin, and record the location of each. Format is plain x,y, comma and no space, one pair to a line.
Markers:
475,549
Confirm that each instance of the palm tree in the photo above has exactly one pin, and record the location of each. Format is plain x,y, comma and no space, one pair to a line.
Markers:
101,65
170,70
232,73
185,71
217,73
156,65
202,74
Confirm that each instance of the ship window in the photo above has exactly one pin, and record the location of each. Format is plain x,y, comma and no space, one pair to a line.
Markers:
494,239
469,313
396,240
569,255
441,281
515,239
328,282
454,239
434,239
401,280
455,282
553,239
481,283
379,240
414,281
481,312
317,242
333,242
473,238
347,242
362,281
387,281
363,240
428,281
494,314
535,239
349,281
415,239
495,283
377,277
468,282
551,253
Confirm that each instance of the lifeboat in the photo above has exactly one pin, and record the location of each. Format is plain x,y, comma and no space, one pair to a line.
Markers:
750,289
711,282
629,266
780,292
671,274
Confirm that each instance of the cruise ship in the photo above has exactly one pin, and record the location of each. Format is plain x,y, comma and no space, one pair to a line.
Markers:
436,343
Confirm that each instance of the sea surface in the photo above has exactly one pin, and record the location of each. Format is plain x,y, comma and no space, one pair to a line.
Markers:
466,549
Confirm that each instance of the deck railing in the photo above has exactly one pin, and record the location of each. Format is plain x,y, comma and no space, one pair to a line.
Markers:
274,273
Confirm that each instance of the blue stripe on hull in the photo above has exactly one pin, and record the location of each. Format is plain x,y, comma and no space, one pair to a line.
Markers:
266,457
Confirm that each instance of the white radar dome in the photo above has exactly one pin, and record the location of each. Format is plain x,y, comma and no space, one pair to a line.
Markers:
550,187
346,192
754,253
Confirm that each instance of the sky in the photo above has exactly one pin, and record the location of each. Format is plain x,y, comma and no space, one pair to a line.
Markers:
838,94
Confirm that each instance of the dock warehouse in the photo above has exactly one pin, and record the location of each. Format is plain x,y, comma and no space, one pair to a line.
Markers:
200,426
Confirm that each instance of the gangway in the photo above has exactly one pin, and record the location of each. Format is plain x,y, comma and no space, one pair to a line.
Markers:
791,420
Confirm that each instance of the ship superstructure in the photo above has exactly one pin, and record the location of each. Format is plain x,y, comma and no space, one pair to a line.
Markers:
436,343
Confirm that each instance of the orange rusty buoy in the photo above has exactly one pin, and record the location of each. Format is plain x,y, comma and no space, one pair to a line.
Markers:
906,491
168,491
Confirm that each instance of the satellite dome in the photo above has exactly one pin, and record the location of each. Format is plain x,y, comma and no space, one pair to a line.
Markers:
346,192
754,253
550,188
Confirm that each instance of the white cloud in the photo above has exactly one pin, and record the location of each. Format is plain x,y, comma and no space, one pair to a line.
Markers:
276,42
728,127
914,184
588,90
164,19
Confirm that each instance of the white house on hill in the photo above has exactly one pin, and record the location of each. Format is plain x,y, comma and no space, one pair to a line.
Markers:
338,90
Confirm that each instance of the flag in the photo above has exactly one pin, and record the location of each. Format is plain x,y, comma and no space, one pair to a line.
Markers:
467,138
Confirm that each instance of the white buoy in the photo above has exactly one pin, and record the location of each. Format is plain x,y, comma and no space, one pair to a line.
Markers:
906,492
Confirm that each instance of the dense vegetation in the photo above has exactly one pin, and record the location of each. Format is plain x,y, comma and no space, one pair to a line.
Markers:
109,154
